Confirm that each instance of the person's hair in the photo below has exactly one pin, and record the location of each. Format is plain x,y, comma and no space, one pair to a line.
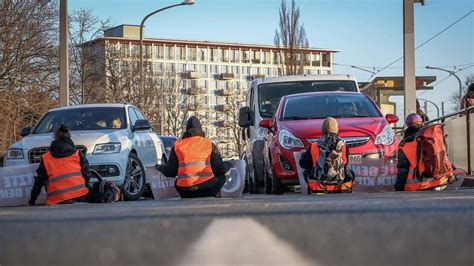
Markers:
471,88
417,104
62,132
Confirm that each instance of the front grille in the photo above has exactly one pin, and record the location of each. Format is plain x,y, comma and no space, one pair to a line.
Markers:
34,155
350,141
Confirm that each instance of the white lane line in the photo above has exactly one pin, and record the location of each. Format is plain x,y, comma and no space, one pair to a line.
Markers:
241,241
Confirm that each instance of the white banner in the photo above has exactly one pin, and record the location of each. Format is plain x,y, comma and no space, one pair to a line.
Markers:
235,180
16,183
162,187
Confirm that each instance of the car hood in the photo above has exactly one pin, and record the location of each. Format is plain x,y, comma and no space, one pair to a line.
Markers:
83,138
348,127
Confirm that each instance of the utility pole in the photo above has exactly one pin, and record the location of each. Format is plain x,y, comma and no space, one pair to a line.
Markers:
63,55
409,75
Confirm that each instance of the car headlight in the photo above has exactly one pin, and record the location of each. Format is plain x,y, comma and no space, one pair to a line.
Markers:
15,154
107,148
288,141
386,137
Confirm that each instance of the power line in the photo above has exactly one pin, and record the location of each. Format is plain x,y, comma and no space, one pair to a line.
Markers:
425,42
376,67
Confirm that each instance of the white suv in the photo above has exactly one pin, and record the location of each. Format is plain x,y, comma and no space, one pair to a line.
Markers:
117,139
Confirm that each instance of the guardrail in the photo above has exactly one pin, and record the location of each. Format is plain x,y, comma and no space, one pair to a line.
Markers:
454,124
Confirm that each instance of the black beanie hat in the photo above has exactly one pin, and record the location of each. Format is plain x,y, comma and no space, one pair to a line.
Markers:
193,123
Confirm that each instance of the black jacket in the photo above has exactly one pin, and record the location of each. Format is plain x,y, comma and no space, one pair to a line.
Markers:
170,169
59,149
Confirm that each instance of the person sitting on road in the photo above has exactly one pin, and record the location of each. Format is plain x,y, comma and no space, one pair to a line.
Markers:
197,164
410,166
63,170
327,161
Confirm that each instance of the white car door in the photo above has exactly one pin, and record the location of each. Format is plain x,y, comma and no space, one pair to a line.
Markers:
149,155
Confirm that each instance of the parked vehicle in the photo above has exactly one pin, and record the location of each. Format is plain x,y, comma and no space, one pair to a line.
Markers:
298,121
262,100
168,143
117,139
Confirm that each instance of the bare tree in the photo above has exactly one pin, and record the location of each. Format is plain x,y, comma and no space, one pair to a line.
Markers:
28,65
290,37
455,99
229,135
83,28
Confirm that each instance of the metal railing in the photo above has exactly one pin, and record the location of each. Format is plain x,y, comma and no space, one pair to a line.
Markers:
462,114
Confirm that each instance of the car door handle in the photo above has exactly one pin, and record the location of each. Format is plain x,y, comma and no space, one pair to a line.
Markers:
149,142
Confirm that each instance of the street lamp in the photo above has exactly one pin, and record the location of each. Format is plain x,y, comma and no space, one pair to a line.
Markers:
184,3
450,73
363,69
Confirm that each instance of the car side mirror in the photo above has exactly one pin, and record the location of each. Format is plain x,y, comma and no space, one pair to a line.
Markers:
245,117
266,123
141,124
25,131
391,118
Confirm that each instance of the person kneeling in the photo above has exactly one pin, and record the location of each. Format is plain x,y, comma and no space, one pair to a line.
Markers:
64,170
197,164
326,161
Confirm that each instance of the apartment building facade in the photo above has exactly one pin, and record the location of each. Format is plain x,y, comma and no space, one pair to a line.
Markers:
212,70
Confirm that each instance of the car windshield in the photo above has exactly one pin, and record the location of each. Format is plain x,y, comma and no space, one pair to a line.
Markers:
322,106
269,95
94,118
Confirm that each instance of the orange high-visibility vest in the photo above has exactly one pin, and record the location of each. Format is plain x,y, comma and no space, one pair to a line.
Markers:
194,157
65,179
318,186
413,183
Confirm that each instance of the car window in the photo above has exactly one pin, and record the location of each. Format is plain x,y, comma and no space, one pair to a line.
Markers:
93,118
269,95
322,106
139,114
133,117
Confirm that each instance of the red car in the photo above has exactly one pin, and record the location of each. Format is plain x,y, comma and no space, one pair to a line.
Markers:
297,123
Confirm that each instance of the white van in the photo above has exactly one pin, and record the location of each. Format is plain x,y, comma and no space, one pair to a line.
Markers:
262,100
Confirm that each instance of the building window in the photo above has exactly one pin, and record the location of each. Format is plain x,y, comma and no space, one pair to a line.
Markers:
181,53
124,50
266,58
192,54
215,55
159,52
225,55
202,54
213,69
235,70
202,68
256,57
170,52
246,57
326,60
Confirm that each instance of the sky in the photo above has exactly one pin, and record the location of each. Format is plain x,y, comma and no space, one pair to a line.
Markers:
367,33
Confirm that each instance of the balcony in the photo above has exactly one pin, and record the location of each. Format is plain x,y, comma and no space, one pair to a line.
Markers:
195,91
222,124
256,61
227,76
316,63
225,92
223,108
326,64
193,75
196,107
258,76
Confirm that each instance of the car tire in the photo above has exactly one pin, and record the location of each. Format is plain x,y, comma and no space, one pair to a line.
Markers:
252,181
135,179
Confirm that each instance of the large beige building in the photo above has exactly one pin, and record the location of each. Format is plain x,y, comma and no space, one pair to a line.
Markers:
215,68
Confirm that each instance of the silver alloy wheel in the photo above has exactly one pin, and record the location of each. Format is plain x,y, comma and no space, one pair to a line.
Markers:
134,177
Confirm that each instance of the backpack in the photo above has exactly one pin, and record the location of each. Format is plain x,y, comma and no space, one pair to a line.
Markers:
103,191
330,166
433,153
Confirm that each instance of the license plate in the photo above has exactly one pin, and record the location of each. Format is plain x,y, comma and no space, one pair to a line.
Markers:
355,158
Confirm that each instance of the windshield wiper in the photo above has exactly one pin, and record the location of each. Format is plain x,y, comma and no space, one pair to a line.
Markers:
297,118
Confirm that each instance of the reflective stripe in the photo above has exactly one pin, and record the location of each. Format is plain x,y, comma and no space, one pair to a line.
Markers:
56,178
194,163
57,192
424,180
195,175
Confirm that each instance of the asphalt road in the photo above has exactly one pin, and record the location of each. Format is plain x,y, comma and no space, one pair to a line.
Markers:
418,228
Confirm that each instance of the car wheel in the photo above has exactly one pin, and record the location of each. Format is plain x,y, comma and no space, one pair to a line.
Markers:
277,187
135,179
252,180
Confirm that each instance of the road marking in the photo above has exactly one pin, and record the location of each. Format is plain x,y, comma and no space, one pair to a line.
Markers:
241,241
